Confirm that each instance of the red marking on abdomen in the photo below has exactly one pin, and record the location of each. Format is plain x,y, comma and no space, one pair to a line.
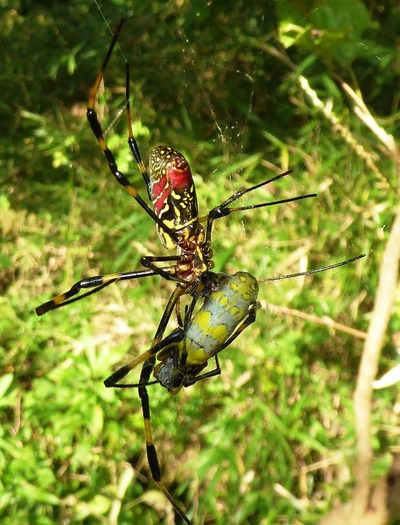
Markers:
175,181
160,193
180,179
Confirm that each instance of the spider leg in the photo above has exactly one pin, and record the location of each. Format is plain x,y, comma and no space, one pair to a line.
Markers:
311,272
98,133
150,261
133,145
114,380
148,359
151,451
223,210
99,282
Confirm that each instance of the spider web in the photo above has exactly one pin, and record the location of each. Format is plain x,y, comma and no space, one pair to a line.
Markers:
222,104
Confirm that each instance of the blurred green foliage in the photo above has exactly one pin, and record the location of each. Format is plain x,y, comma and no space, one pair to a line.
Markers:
272,438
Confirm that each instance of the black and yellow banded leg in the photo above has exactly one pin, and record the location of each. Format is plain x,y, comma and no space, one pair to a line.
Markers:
114,380
97,283
148,359
133,145
112,163
147,369
151,451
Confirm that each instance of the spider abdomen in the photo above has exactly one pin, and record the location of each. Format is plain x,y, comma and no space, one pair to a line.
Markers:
172,193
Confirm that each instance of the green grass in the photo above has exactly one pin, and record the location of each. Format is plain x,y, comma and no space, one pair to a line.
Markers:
271,439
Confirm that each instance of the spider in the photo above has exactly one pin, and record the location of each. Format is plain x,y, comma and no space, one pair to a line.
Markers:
186,351
230,305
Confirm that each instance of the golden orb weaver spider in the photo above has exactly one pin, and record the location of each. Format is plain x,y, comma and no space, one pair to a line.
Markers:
230,305
171,190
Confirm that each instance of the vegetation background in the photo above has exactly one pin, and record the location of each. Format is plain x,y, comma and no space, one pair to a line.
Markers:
272,439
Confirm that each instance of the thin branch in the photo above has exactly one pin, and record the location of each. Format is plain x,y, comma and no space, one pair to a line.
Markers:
363,113
388,276
325,321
